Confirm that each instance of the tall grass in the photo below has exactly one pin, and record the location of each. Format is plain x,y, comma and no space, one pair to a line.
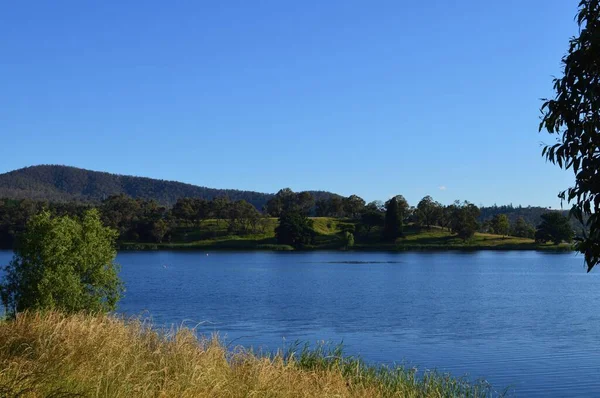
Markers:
54,355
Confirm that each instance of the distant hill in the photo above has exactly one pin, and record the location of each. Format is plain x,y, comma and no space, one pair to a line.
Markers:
64,184
531,214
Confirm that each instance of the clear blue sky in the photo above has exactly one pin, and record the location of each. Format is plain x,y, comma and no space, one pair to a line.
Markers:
373,98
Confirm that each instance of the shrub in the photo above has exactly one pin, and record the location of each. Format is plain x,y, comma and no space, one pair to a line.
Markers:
63,263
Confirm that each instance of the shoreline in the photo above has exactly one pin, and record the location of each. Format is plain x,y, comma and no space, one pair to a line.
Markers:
357,248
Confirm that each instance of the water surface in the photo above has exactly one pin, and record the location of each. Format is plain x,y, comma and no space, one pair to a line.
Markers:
522,319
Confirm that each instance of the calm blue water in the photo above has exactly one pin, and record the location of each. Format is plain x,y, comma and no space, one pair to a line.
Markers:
522,319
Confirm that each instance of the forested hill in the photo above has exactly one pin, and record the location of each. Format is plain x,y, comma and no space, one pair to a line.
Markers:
531,214
64,184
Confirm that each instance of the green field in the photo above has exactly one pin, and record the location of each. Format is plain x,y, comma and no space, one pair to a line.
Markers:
213,235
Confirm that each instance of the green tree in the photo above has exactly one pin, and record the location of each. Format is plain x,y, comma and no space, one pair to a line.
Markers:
294,229
445,217
376,205
486,227
150,225
305,202
349,239
282,201
428,211
554,227
354,205
336,207
463,219
121,213
523,229
395,211
243,217
500,224
288,200
193,210
574,115
63,263
371,218
403,207
185,209
233,213
322,208
13,218
219,207
159,229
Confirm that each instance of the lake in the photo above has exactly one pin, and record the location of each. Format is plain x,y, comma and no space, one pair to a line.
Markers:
525,320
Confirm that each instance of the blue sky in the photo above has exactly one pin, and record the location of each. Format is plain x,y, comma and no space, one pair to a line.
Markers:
373,98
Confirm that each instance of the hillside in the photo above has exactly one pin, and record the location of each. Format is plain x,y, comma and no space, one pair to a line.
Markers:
531,214
57,184
63,184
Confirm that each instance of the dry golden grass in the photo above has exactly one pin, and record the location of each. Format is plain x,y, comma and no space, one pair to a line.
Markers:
55,355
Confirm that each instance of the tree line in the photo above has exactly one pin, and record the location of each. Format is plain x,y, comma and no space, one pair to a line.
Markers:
389,219
141,220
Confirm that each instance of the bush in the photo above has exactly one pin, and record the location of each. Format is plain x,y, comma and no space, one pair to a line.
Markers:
349,239
63,263
294,229
554,227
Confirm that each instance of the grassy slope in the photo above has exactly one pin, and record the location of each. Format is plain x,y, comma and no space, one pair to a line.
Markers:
54,355
438,239
212,235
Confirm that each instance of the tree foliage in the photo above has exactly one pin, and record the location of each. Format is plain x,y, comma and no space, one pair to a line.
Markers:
523,229
192,219
287,200
500,224
294,229
531,214
463,219
428,212
243,218
555,228
63,263
574,116
136,219
337,206
395,210
372,217
349,239
354,205
193,210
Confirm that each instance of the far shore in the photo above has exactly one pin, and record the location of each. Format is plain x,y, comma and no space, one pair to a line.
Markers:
237,245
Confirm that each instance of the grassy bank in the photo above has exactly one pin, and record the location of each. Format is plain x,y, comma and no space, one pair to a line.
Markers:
102,356
212,235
